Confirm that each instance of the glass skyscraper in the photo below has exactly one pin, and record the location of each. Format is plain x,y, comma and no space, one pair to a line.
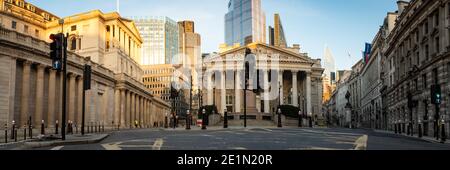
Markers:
160,35
245,22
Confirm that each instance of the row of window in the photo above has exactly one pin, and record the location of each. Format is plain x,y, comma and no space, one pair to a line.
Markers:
159,71
151,86
25,30
156,79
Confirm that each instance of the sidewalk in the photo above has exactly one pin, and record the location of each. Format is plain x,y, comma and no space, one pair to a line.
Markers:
70,140
425,138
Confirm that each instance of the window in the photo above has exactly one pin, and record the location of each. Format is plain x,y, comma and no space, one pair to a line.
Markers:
437,44
424,79
79,43
25,29
435,76
114,30
417,58
427,52
14,25
36,33
426,27
416,85
436,18
73,43
73,28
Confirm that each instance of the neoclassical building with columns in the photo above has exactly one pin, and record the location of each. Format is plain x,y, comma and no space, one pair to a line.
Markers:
108,43
271,68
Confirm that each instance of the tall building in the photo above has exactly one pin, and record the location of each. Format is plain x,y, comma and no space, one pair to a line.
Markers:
190,50
245,23
278,35
160,40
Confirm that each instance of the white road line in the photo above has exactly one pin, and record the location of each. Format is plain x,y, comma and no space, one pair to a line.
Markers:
57,148
361,143
112,146
158,144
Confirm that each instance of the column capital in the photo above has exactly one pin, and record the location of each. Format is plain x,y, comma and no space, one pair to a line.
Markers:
27,62
41,66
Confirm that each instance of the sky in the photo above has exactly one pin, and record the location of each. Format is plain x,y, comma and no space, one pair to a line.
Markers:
342,25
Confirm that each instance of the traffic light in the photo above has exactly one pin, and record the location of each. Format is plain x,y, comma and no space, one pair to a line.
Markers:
436,94
56,53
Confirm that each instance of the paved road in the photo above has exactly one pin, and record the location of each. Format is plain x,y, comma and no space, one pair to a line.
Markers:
256,139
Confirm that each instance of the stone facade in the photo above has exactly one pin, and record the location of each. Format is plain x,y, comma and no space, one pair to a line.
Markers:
33,90
298,75
416,57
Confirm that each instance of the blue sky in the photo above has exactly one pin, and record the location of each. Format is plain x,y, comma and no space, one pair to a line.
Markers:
343,25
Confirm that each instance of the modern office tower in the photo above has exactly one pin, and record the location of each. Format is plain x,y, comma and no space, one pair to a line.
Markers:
245,23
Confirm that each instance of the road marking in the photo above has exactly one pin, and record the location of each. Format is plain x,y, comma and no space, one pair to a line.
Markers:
112,146
158,144
57,148
238,148
361,143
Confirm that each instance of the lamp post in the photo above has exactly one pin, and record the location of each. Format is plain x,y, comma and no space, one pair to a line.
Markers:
279,118
204,119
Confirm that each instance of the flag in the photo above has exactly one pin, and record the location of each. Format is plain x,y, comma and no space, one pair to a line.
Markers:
367,52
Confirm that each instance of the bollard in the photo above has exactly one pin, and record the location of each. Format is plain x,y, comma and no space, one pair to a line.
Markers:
42,128
24,132
30,131
56,128
225,120
420,130
15,135
443,135
6,133
188,125
12,129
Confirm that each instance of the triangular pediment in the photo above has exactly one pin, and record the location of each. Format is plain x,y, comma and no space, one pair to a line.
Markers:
266,52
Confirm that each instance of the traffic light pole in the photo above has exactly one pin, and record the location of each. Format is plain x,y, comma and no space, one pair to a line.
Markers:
63,125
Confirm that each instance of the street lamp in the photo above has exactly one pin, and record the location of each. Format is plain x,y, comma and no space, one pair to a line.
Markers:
279,118
203,119
188,122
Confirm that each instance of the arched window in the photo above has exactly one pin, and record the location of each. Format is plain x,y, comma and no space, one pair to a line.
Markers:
73,43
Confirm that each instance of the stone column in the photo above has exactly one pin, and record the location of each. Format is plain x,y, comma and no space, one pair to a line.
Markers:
117,107
294,89
209,88
71,97
238,92
308,94
128,110
133,109
51,98
122,108
280,80
138,109
266,91
39,94
223,92
24,100
80,101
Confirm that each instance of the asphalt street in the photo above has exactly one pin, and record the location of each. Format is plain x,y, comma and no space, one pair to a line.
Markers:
256,139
